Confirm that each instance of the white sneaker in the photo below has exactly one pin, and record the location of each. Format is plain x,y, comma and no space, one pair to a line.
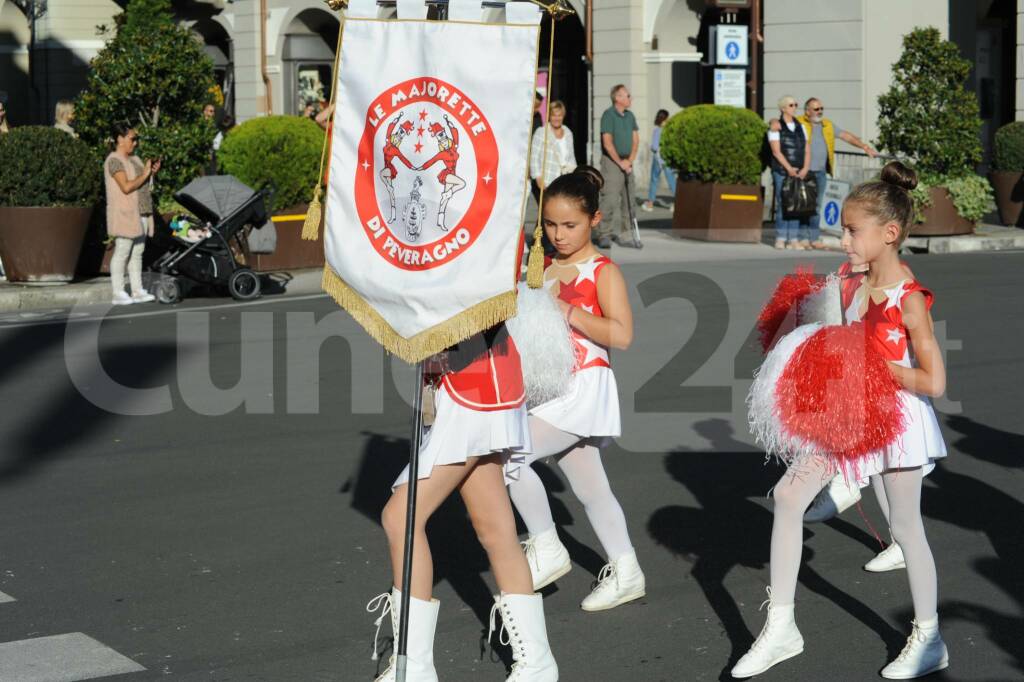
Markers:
524,630
836,498
619,582
924,653
889,559
142,296
422,624
122,298
548,558
779,639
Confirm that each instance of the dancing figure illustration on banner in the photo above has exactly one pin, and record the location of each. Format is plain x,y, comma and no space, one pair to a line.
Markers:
395,134
447,154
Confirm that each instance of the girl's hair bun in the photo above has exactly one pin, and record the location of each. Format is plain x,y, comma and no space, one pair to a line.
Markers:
895,173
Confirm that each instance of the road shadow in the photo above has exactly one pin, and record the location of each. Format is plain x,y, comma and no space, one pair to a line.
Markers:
459,559
727,529
973,505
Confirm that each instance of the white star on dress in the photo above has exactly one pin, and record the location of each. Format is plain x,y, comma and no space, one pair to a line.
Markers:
591,350
588,308
365,164
894,335
894,295
487,178
588,271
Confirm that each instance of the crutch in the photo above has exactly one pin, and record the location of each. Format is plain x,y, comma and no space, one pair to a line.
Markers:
630,199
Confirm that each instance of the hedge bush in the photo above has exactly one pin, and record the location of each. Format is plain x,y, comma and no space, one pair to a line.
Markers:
715,143
927,115
1009,147
282,149
43,166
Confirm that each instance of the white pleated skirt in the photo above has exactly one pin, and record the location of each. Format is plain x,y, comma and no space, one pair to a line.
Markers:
919,446
459,433
590,408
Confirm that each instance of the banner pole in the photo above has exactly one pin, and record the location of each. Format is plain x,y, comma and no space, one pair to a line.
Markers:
410,523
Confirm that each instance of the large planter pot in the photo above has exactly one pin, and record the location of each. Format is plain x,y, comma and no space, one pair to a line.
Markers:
41,245
292,252
715,212
1009,195
941,218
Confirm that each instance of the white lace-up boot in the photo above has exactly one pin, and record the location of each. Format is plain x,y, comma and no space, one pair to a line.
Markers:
836,498
548,558
779,640
422,623
618,582
924,653
889,559
524,630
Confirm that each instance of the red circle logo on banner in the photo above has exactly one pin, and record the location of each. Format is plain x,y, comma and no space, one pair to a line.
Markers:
426,176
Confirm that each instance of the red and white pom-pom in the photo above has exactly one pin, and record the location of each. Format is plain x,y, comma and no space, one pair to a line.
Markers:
824,391
823,304
788,294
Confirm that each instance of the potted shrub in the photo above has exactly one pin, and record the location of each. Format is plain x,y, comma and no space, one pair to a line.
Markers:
1008,168
283,150
928,117
49,184
717,151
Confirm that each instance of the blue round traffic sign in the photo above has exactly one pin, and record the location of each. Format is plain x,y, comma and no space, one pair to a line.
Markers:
732,49
831,213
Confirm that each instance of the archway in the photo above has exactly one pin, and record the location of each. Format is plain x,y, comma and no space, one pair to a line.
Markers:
570,77
308,59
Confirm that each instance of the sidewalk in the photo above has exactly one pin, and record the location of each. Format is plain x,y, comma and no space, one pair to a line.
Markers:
660,246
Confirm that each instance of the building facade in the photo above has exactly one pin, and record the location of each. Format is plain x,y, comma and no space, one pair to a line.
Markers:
273,56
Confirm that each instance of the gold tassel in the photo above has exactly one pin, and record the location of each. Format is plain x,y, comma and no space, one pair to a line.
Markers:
311,228
535,265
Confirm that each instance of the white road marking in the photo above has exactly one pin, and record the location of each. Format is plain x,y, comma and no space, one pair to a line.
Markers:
6,598
154,313
61,658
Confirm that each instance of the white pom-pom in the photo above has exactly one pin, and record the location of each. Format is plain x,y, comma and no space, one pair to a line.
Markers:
545,345
823,304
762,412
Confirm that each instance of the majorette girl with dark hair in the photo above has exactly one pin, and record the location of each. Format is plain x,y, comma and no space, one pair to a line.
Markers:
393,138
888,311
592,296
480,418
448,155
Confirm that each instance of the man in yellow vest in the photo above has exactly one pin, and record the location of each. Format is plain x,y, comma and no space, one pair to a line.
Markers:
823,133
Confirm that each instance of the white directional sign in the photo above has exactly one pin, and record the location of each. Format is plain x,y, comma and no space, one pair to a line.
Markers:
832,204
731,44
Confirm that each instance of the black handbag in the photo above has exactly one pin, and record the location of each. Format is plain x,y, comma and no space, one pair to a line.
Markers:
799,197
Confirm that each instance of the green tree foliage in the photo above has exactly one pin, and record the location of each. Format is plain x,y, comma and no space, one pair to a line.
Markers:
43,166
1009,147
715,143
154,75
284,150
927,115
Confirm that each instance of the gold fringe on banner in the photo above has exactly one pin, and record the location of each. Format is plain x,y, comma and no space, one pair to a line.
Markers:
483,315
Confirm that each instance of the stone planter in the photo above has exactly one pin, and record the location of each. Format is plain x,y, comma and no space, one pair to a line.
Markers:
41,245
292,252
1009,195
941,218
720,213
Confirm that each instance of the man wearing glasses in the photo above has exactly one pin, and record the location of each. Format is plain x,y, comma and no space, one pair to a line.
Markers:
823,133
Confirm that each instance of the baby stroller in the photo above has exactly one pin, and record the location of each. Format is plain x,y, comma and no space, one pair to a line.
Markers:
228,206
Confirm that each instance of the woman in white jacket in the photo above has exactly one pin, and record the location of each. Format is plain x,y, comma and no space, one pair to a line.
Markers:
560,157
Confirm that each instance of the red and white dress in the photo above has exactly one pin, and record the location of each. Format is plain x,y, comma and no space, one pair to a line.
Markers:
480,404
881,311
590,408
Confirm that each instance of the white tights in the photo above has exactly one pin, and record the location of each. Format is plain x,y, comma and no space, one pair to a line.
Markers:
899,495
581,464
127,251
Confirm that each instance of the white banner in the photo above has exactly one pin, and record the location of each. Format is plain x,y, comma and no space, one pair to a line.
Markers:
427,177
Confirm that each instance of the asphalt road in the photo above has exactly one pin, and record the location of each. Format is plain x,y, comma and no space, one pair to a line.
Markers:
193,494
